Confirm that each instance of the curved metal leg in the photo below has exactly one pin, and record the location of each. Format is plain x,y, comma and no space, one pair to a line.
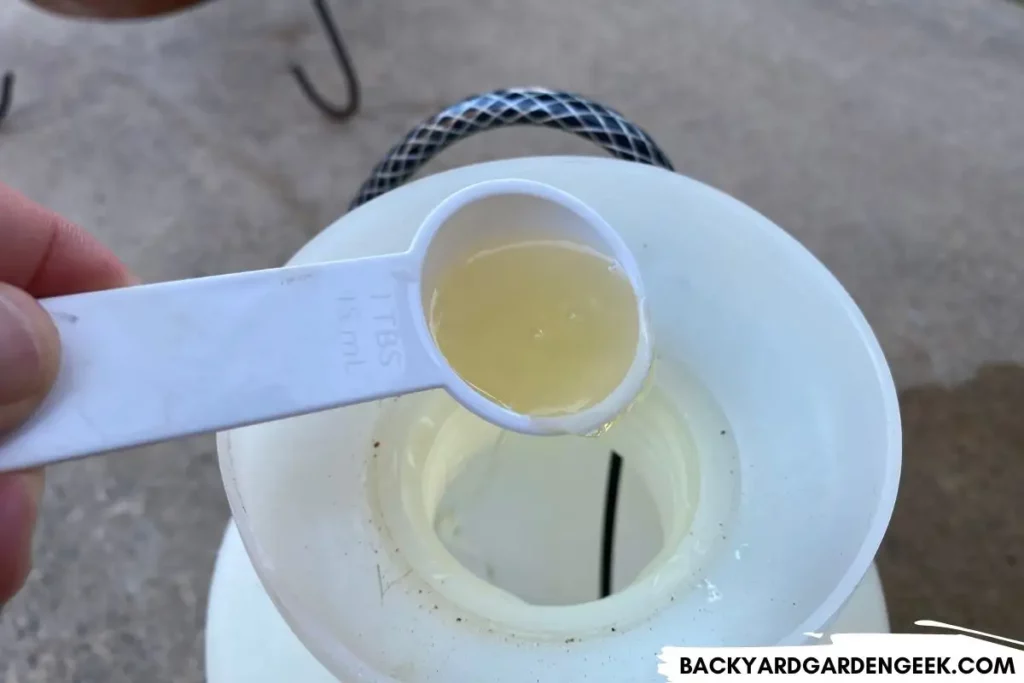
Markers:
6,94
329,109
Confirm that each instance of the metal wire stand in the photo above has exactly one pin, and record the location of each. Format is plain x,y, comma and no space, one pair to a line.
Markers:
332,110
337,112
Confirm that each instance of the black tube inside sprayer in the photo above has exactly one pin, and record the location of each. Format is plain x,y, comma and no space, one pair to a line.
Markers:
611,502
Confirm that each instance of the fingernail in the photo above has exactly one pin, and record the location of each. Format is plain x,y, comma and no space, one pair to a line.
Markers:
21,372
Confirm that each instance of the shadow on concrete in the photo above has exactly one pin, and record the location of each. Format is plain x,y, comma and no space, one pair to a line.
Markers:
955,549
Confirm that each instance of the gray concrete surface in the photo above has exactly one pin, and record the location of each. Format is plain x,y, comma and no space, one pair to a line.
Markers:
887,136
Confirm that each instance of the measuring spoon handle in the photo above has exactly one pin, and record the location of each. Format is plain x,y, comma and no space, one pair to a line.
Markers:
154,362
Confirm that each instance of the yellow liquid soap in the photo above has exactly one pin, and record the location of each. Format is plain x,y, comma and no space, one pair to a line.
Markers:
542,328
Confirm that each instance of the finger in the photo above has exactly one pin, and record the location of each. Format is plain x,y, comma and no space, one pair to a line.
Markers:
47,255
19,501
29,356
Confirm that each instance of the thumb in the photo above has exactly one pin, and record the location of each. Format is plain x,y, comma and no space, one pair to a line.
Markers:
29,356
29,359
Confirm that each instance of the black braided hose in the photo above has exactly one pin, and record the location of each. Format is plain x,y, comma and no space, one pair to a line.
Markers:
510,107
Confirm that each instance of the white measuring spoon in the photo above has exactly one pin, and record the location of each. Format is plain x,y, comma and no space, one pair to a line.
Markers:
155,362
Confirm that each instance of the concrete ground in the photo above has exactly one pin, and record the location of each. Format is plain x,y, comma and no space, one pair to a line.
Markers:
888,137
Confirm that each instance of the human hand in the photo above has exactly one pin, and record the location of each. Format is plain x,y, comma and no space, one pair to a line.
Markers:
41,255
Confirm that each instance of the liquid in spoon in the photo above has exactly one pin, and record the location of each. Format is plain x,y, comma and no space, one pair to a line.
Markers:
543,328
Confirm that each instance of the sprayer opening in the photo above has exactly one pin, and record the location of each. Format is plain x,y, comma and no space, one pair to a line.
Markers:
508,527
550,520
